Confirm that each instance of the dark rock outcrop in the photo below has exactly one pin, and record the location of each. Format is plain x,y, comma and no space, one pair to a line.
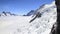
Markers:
57,30
37,16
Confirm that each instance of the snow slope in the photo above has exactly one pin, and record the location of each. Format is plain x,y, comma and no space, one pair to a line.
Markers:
47,19
21,25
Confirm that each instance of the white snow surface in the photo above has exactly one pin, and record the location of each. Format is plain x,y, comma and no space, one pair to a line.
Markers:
21,25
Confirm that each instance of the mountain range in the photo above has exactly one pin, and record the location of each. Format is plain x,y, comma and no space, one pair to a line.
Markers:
7,14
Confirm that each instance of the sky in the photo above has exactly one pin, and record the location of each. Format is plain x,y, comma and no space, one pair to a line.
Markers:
21,7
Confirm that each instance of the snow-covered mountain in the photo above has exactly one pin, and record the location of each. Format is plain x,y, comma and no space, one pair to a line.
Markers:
45,9
42,9
21,25
47,19
7,14
30,13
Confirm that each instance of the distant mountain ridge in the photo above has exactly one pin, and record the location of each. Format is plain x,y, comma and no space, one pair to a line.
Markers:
30,13
7,14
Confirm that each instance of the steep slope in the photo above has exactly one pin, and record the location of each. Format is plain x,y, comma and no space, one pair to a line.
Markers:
47,19
45,8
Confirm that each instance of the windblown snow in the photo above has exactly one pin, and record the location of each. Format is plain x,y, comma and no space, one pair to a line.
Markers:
21,25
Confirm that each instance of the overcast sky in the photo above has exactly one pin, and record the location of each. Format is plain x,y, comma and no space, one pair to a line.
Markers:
21,6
